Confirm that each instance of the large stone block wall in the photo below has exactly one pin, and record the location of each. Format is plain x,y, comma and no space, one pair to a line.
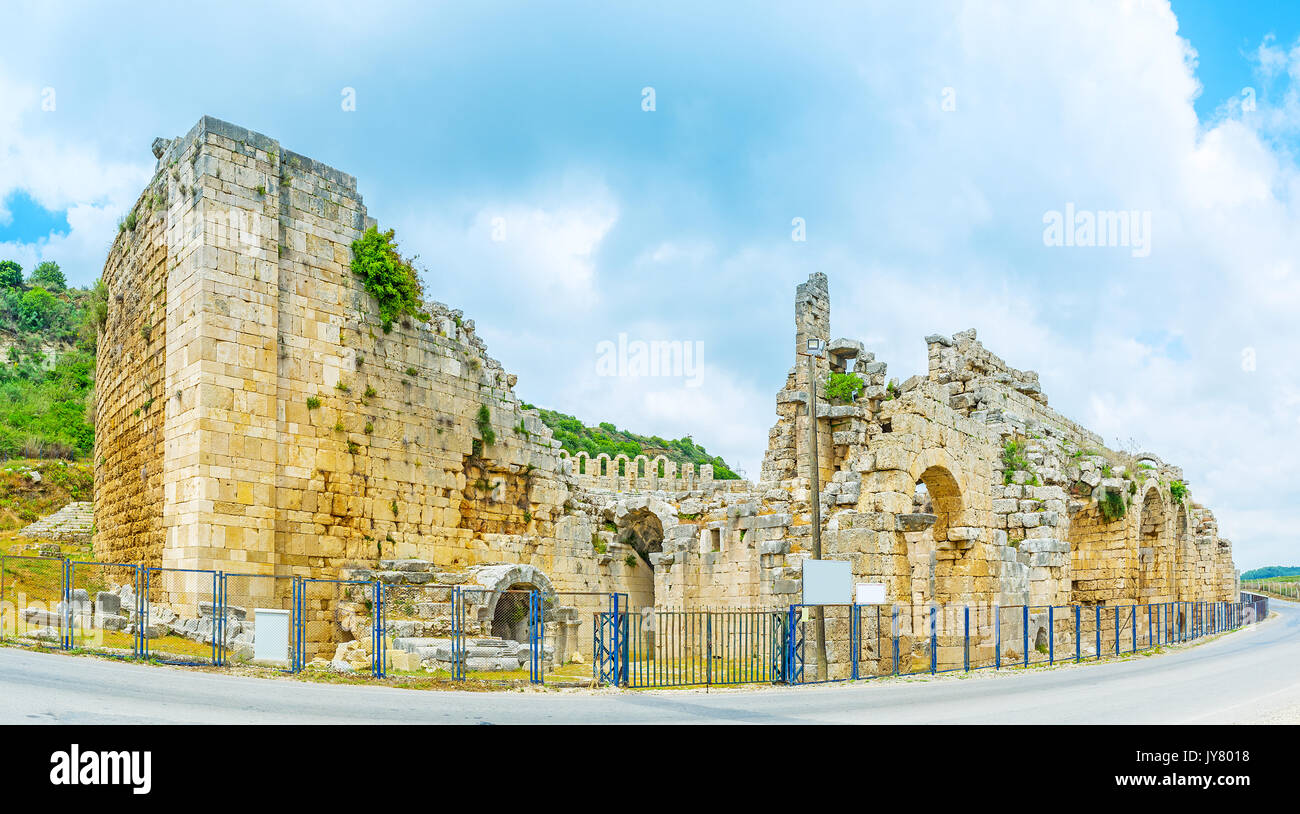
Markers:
130,389
260,313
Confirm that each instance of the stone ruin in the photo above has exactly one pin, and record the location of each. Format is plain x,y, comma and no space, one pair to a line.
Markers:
253,416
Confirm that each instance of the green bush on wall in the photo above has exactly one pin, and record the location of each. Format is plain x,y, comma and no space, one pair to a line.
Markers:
387,277
843,387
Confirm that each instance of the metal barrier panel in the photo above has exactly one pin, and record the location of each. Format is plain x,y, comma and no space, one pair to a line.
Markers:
258,622
915,637
839,625
419,628
341,621
179,616
702,648
875,641
570,633
104,608
32,594
494,636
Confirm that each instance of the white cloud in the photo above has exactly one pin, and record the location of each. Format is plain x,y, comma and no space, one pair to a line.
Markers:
61,173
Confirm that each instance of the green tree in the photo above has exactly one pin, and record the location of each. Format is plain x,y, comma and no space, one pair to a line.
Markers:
49,276
11,274
37,309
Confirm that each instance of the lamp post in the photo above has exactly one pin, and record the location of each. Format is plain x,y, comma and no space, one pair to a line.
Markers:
814,350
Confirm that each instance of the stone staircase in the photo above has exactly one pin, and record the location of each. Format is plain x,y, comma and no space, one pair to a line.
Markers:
72,523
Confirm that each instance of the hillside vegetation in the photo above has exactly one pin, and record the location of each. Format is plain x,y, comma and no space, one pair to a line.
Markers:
45,409
576,437
1272,571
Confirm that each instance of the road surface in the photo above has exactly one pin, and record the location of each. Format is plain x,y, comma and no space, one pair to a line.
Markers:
1251,676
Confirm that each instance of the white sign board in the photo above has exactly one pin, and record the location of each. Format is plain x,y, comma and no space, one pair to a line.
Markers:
271,635
827,582
870,593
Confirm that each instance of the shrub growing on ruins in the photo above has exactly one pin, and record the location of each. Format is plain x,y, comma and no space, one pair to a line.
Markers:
484,421
387,277
843,387
312,402
1013,460
1112,506
1178,491
630,561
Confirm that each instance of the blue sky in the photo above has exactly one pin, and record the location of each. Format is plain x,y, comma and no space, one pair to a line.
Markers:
921,147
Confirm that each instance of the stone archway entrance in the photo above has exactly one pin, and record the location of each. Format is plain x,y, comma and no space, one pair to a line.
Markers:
643,531
510,614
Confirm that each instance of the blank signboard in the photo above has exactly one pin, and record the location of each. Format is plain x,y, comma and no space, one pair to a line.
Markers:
271,635
870,593
827,582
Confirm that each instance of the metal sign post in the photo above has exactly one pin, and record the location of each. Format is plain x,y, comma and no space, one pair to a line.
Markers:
816,348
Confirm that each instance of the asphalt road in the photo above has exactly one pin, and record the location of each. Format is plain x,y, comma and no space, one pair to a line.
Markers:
1251,676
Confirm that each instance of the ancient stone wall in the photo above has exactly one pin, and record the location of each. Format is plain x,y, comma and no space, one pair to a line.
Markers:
298,437
130,432
254,416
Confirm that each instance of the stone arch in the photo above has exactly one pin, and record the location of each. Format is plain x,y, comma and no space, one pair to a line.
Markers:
602,464
584,463
641,465
505,608
641,528
621,465
660,465
1184,555
1155,550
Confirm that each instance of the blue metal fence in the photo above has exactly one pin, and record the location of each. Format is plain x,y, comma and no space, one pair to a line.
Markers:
187,616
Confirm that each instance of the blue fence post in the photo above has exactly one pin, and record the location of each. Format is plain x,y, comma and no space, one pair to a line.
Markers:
791,654
534,641
997,638
1051,634
934,642
457,673
1117,625
1078,645
966,650
1097,630
855,643
1025,631
65,589
895,631
708,648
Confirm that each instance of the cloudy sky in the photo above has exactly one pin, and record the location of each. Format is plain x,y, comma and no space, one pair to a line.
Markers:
511,147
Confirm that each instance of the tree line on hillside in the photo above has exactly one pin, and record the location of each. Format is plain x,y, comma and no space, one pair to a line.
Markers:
46,408
1270,571
575,437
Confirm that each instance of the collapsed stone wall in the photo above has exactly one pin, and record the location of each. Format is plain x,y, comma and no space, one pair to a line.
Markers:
1023,505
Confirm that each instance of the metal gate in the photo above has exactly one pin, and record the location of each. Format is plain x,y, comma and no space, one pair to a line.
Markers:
253,604
609,665
178,618
102,603
322,606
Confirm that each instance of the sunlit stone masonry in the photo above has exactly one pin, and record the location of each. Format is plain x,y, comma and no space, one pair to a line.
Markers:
254,417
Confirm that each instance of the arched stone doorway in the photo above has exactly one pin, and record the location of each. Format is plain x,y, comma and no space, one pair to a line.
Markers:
643,531
1155,550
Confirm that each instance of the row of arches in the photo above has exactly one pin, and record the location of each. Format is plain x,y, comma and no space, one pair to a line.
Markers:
622,465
